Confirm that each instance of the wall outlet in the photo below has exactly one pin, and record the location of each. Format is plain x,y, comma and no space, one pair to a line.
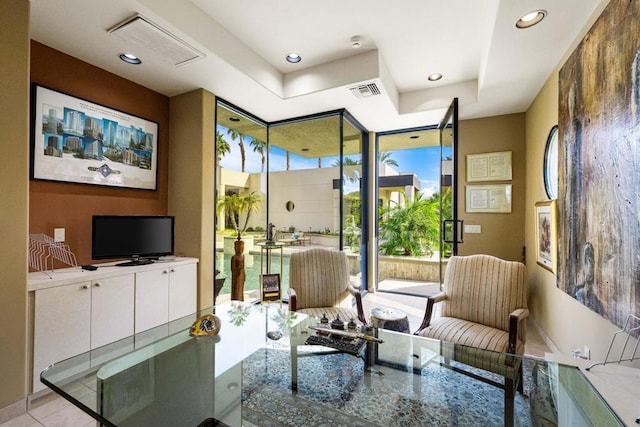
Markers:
472,229
58,234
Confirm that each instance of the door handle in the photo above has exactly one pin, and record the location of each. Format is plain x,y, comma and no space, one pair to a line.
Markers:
453,223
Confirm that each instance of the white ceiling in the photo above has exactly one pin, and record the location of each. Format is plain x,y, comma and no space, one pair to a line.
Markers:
492,67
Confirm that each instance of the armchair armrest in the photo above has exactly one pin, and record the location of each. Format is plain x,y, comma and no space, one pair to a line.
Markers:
517,316
293,299
358,296
431,301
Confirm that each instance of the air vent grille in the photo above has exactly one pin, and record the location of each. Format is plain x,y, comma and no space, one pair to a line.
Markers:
365,91
146,34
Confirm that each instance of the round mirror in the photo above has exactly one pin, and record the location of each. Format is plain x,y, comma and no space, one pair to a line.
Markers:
290,206
551,164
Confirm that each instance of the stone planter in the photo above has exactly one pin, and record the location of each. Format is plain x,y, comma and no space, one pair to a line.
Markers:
328,240
409,268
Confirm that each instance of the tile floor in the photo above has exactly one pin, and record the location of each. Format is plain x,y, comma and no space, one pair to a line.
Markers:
54,411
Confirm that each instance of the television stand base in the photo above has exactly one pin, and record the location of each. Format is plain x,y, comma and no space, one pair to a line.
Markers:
134,262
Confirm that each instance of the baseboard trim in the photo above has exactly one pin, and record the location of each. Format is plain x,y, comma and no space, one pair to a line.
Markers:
543,334
14,410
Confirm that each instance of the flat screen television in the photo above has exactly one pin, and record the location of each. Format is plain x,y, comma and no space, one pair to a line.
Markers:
139,238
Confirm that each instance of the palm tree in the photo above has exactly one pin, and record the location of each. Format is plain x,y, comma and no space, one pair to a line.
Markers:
259,146
222,146
351,174
235,205
348,161
237,135
385,157
411,229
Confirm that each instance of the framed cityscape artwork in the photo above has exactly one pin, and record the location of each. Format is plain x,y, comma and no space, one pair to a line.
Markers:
74,140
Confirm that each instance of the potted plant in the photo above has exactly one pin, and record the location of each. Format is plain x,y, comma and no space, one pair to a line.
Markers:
236,206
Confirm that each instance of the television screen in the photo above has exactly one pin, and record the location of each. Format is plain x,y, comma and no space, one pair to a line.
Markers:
137,237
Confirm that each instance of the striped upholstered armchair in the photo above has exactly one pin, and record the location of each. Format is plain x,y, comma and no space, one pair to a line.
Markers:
319,283
483,306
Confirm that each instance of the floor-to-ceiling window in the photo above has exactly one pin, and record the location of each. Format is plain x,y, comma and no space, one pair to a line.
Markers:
241,180
306,174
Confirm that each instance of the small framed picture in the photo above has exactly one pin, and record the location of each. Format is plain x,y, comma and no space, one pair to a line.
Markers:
270,287
546,237
489,167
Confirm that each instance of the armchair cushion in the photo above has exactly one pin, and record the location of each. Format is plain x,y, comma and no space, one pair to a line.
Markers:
484,289
319,282
483,305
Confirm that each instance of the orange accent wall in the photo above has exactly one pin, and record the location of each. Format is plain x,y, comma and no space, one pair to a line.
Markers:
57,204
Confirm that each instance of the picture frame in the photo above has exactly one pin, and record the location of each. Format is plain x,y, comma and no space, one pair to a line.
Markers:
494,198
78,141
546,235
270,287
495,166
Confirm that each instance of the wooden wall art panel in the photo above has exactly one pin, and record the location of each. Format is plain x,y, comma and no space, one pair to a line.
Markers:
599,195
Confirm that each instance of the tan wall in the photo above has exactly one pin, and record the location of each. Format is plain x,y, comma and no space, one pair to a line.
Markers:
502,235
56,204
192,179
14,192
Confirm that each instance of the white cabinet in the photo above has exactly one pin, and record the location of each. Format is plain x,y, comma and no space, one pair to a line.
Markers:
62,316
182,291
164,294
152,299
111,309
76,318
75,311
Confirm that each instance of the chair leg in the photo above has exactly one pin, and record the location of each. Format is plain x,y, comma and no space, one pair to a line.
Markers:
294,368
520,380
509,397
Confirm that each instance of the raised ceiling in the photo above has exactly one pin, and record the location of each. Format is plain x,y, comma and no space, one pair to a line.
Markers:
492,67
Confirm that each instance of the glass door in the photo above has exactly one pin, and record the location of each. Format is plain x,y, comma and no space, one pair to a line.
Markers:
452,229
408,211
417,207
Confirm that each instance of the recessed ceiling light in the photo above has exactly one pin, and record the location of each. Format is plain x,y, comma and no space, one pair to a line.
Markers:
531,19
414,137
130,58
234,119
305,149
294,58
356,43
434,77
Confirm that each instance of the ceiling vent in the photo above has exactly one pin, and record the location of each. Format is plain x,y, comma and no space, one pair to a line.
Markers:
142,32
365,91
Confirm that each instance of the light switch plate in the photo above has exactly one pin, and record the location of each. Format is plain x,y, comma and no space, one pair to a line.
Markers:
472,229
58,234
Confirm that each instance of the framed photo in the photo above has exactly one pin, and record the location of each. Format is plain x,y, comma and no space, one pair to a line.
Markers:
270,287
489,166
74,140
488,198
546,235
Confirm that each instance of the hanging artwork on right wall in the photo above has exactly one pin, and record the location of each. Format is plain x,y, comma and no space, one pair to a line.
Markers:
599,161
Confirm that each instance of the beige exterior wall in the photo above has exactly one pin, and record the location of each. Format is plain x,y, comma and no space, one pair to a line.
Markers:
191,181
311,190
14,188
502,235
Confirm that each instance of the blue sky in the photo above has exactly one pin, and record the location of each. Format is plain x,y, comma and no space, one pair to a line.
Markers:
424,162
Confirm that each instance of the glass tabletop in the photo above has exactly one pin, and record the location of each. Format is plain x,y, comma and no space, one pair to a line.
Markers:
259,371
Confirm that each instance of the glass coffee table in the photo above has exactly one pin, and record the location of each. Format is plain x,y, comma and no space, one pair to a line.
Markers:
258,371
